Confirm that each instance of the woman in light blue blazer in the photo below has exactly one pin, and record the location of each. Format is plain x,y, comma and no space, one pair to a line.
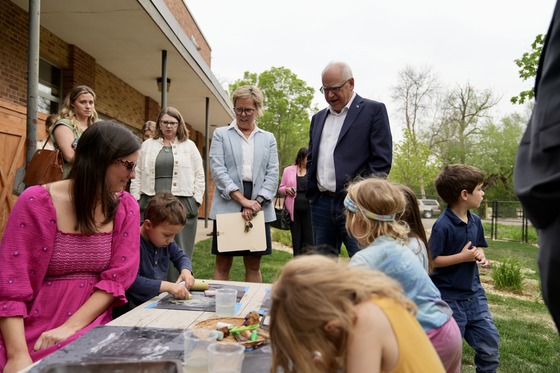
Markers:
244,166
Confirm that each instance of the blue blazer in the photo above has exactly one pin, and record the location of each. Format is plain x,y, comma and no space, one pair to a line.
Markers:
364,146
226,165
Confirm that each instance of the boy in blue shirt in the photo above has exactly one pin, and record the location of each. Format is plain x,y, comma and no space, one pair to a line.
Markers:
456,243
164,217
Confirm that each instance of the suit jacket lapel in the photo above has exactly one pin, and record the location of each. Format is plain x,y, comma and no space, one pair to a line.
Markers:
257,154
353,112
235,143
320,124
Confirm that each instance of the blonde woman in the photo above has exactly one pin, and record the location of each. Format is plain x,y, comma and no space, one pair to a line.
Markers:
328,317
148,130
77,114
244,165
373,208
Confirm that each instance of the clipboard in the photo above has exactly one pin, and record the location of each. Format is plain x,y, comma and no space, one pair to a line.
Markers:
232,236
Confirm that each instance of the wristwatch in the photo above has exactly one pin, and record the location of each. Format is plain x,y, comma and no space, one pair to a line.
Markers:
261,200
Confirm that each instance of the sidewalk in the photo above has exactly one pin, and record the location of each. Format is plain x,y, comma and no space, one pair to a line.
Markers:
201,231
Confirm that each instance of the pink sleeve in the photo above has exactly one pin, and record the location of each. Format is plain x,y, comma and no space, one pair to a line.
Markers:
283,183
125,259
26,249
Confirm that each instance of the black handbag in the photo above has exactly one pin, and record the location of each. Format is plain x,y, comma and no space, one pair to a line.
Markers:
283,220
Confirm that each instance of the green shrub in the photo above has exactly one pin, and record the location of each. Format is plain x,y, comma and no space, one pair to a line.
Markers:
508,275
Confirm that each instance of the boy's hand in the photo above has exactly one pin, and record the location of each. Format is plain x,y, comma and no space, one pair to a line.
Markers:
186,278
468,254
481,258
179,291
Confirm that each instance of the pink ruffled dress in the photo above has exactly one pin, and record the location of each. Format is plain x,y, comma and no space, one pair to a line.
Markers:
46,275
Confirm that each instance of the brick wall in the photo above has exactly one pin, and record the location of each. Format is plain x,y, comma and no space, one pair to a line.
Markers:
151,109
187,22
13,53
119,100
115,98
81,71
54,49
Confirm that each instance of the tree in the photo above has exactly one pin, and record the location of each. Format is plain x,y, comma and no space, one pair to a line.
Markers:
287,109
528,64
414,164
495,155
455,134
415,94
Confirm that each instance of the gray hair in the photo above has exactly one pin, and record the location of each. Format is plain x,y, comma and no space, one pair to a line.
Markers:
343,66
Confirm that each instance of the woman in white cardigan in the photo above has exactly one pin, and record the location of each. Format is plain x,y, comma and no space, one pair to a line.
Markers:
170,161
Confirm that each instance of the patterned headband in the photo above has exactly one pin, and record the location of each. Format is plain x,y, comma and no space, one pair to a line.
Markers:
353,207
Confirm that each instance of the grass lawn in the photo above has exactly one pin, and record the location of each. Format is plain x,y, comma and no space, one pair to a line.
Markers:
529,340
203,263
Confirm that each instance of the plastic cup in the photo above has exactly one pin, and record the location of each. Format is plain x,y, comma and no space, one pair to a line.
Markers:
225,302
196,349
225,357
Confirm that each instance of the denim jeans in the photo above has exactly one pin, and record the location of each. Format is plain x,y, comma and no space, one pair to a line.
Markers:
477,327
328,228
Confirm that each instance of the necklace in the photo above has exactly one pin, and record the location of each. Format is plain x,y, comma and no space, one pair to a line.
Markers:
167,149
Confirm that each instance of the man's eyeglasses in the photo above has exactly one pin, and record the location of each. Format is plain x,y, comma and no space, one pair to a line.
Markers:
334,89
241,110
130,166
169,124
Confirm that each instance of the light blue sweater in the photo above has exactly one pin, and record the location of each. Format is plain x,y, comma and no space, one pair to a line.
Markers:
399,262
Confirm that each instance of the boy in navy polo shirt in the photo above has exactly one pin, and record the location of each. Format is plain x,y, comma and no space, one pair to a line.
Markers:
456,243
164,217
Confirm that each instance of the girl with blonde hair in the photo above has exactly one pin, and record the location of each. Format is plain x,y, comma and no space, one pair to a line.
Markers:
373,207
329,317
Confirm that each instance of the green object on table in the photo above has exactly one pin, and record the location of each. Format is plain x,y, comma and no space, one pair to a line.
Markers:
236,329
254,336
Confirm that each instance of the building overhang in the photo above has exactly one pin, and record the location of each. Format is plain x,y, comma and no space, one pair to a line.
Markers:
127,38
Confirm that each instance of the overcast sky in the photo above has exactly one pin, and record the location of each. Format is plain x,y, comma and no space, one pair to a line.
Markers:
472,41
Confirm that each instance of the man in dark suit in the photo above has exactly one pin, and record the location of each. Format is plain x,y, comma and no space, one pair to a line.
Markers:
350,138
537,167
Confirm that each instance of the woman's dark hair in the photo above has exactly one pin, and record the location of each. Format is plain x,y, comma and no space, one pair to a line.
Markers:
300,157
98,147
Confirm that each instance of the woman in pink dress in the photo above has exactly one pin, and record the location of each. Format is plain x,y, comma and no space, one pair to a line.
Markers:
70,250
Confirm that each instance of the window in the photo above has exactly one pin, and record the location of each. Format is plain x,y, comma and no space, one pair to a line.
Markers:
50,88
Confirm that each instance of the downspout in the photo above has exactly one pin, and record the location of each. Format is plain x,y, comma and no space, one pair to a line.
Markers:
206,160
33,78
163,79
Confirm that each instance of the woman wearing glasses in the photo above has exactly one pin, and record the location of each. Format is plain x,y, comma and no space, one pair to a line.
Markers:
170,161
244,165
70,250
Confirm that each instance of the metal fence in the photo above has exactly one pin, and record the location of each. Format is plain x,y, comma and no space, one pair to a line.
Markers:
508,221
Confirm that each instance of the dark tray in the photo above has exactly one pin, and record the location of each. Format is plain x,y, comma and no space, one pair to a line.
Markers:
159,366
